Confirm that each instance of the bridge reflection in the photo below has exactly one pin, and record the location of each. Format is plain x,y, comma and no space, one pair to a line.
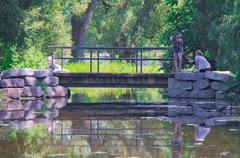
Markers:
91,129
113,135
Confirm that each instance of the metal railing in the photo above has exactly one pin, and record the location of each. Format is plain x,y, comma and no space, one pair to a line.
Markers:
103,133
136,57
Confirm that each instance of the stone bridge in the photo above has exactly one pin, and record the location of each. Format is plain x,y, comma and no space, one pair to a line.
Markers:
126,80
44,83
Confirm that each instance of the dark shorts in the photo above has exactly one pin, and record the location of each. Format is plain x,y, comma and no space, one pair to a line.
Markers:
177,50
204,70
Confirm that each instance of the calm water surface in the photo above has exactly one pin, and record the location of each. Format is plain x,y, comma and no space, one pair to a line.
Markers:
124,129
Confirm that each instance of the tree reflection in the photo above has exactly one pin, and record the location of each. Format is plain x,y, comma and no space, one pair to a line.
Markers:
141,137
31,141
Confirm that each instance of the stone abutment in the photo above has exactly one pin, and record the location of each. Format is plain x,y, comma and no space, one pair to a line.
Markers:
200,94
26,93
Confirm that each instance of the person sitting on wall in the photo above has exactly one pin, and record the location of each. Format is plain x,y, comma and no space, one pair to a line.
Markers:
202,65
52,62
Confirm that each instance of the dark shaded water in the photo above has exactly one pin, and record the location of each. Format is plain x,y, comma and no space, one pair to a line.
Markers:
125,125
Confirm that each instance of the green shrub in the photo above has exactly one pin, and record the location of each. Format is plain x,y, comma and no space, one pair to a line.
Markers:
12,135
26,58
29,58
233,86
7,53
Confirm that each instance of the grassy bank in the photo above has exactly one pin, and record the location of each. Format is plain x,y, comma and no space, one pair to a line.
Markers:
103,94
112,66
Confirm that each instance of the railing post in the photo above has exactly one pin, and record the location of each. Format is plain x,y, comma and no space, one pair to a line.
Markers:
137,62
138,55
141,55
90,60
52,132
98,60
61,132
52,50
62,59
91,133
98,125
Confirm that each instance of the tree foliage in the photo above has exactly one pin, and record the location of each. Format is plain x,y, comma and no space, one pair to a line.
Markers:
226,32
27,27
179,18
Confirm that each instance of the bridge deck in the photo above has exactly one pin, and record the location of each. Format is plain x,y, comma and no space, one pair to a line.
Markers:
128,80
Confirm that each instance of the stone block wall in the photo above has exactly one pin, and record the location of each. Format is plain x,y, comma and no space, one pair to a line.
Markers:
31,109
30,84
209,85
199,95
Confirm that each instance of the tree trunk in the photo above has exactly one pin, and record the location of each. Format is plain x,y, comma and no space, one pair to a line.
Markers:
80,26
76,23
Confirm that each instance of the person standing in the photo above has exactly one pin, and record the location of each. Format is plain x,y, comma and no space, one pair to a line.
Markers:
177,50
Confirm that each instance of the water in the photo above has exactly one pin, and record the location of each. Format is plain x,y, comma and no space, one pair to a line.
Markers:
114,125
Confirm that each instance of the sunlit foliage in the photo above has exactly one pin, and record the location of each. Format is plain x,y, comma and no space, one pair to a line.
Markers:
28,27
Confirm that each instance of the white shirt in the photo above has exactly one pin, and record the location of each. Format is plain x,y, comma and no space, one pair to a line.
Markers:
50,59
201,63
201,133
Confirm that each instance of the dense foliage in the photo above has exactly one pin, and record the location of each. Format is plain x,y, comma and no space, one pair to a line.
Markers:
232,89
28,27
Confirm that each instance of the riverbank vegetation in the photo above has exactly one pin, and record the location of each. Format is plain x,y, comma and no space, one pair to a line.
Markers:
232,89
118,94
24,142
28,27
113,66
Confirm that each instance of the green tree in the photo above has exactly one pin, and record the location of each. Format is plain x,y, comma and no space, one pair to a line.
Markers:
46,25
80,26
225,31
29,27
10,17
179,17
207,13
216,27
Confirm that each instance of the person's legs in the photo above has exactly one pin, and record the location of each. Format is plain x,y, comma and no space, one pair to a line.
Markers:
179,55
202,70
175,58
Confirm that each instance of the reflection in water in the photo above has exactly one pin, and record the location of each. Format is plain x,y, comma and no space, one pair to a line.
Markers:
73,134
117,136
201,133
177,139
86,95
119,129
